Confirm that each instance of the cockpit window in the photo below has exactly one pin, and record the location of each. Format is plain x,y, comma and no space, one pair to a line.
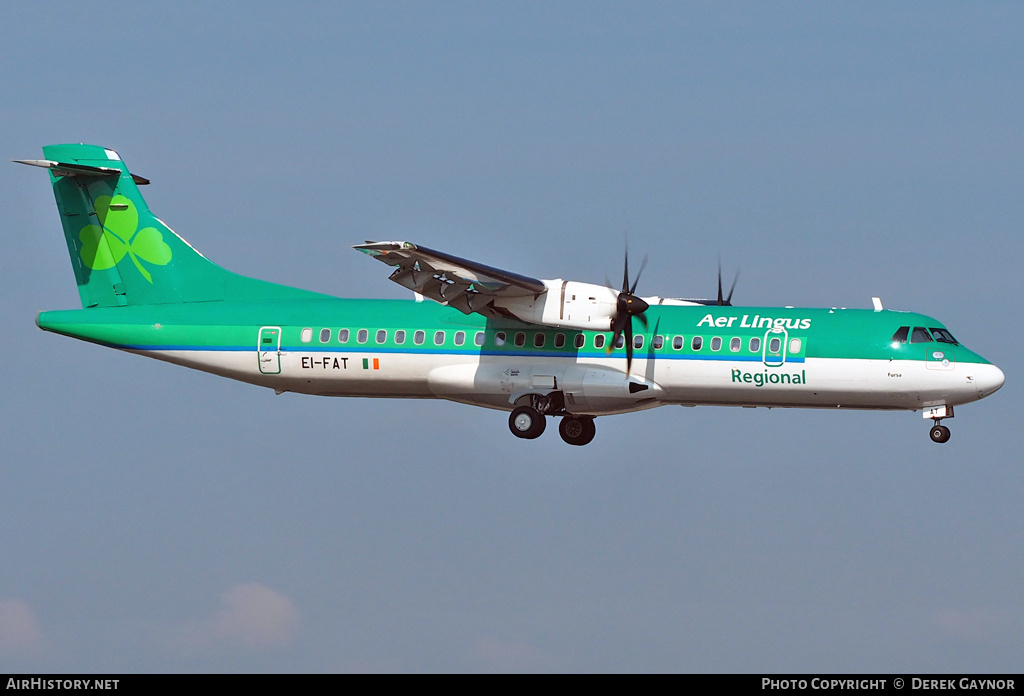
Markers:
920,335
943,336
901,334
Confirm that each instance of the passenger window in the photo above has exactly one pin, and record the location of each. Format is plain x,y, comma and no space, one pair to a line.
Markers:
307,335
382,336
499,338
361,336
460,337
599,341
579,341
400,337
419,337
716,343
775,345
659,342
325,335
559,340
755,345
677,342
439,338
538,340
343,336
620,341
479,338
795,345
696,343
920,335
638,341
520,339
901,334
734,345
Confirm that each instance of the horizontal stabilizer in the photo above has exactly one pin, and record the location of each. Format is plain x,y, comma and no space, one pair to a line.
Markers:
69,169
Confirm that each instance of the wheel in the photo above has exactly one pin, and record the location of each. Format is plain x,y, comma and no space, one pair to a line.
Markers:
526,422
577,430
939,433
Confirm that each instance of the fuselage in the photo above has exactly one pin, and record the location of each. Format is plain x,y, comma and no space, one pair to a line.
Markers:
689,355
488,337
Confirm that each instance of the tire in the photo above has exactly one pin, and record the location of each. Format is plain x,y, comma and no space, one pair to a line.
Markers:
526,422
939,433
577,431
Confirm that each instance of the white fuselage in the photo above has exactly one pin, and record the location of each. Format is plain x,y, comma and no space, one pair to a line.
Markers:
598,386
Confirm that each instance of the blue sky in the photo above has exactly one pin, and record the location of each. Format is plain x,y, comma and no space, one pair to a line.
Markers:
157,519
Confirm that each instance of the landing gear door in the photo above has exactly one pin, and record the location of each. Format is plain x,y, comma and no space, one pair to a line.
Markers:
268,350
774,351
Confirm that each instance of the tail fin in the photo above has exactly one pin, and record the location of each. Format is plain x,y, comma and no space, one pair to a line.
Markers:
121,253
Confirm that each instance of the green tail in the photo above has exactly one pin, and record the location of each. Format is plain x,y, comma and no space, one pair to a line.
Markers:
124,255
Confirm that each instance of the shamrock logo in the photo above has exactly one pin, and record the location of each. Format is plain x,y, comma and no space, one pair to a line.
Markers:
104,245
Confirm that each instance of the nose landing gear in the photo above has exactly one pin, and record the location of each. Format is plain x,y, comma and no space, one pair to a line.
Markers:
939,433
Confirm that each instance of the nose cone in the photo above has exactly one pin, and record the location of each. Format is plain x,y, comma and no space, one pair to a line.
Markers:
988,379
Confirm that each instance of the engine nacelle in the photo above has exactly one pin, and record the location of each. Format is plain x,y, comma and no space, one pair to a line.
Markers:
566,304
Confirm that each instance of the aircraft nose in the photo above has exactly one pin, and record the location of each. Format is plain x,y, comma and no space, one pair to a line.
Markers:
988,379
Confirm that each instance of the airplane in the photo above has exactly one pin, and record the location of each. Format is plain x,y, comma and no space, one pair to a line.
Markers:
480,335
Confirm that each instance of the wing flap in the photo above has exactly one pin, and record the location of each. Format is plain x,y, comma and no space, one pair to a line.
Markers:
466,285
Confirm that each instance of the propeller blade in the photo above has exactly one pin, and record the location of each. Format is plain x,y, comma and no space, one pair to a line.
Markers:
720,302
728,298
625,272
627,306
617,327
629,346
636,280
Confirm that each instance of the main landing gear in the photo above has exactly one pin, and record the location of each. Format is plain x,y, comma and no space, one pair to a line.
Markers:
528,422
939,433
577,430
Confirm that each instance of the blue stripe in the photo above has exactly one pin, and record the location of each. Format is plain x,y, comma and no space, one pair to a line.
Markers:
469,351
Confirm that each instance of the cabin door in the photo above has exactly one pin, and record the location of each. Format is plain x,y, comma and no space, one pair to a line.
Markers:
268,350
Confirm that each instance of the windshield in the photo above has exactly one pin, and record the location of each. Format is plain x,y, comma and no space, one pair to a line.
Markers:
920,335
943,336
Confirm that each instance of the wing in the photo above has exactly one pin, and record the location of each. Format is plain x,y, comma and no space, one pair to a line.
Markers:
466,285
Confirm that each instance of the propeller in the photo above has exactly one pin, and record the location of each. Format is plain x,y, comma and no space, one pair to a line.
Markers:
627,306
727,301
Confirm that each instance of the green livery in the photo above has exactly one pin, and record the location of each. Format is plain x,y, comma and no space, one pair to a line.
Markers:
491,338
121,253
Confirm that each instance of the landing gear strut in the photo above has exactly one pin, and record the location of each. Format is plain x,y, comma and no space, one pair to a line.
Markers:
577,430
939,433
